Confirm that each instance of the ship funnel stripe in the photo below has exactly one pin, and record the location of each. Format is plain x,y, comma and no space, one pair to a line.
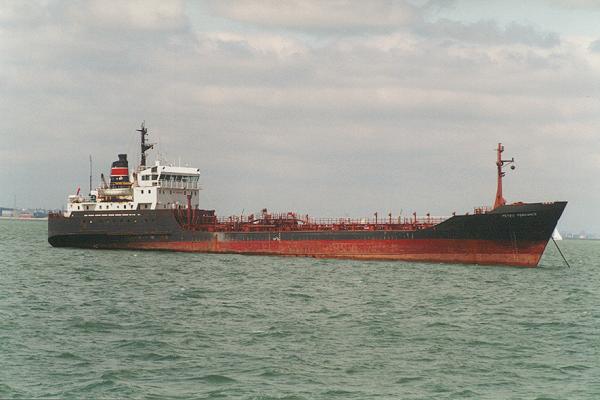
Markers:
119,171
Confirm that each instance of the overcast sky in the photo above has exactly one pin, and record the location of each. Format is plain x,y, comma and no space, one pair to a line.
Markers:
338,108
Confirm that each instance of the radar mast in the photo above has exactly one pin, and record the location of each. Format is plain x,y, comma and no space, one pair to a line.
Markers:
144,146
500,201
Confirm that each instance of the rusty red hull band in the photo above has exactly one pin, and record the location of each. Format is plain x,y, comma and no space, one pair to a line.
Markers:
427,250
509,235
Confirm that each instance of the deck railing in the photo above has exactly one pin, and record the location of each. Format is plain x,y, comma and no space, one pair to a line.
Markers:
82,199
305,220
306,223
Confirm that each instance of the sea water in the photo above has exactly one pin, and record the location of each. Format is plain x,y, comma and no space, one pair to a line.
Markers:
139,324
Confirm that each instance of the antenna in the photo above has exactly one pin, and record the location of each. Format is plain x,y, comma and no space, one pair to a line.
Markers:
90,174
160,155
144,146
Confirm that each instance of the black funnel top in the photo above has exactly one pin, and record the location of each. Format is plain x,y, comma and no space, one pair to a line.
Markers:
121,162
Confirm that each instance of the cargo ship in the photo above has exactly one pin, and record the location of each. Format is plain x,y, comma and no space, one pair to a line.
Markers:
157,207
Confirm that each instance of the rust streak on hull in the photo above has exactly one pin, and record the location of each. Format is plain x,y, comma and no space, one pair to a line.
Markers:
438,250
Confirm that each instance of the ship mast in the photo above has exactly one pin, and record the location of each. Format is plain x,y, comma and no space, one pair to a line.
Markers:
143,133
90,174
500,201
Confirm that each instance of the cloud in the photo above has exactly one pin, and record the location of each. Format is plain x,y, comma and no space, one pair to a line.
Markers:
150,15
575,4
488,32
313,15
256,43
595,46
377,17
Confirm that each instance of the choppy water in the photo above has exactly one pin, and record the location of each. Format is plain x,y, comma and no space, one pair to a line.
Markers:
125,324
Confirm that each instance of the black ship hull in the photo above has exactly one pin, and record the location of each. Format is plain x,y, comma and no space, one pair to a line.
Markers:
514,234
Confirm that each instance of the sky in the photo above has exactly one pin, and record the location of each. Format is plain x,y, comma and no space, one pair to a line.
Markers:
329,108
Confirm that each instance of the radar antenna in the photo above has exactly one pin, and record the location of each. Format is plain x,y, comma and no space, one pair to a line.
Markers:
500,201
145,146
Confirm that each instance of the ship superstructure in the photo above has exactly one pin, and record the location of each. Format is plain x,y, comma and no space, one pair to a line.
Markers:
147,188
152,188
157,207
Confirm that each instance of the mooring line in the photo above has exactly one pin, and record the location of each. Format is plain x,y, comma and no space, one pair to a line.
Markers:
561,253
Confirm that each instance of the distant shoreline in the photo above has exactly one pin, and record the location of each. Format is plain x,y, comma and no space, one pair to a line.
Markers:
26,219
